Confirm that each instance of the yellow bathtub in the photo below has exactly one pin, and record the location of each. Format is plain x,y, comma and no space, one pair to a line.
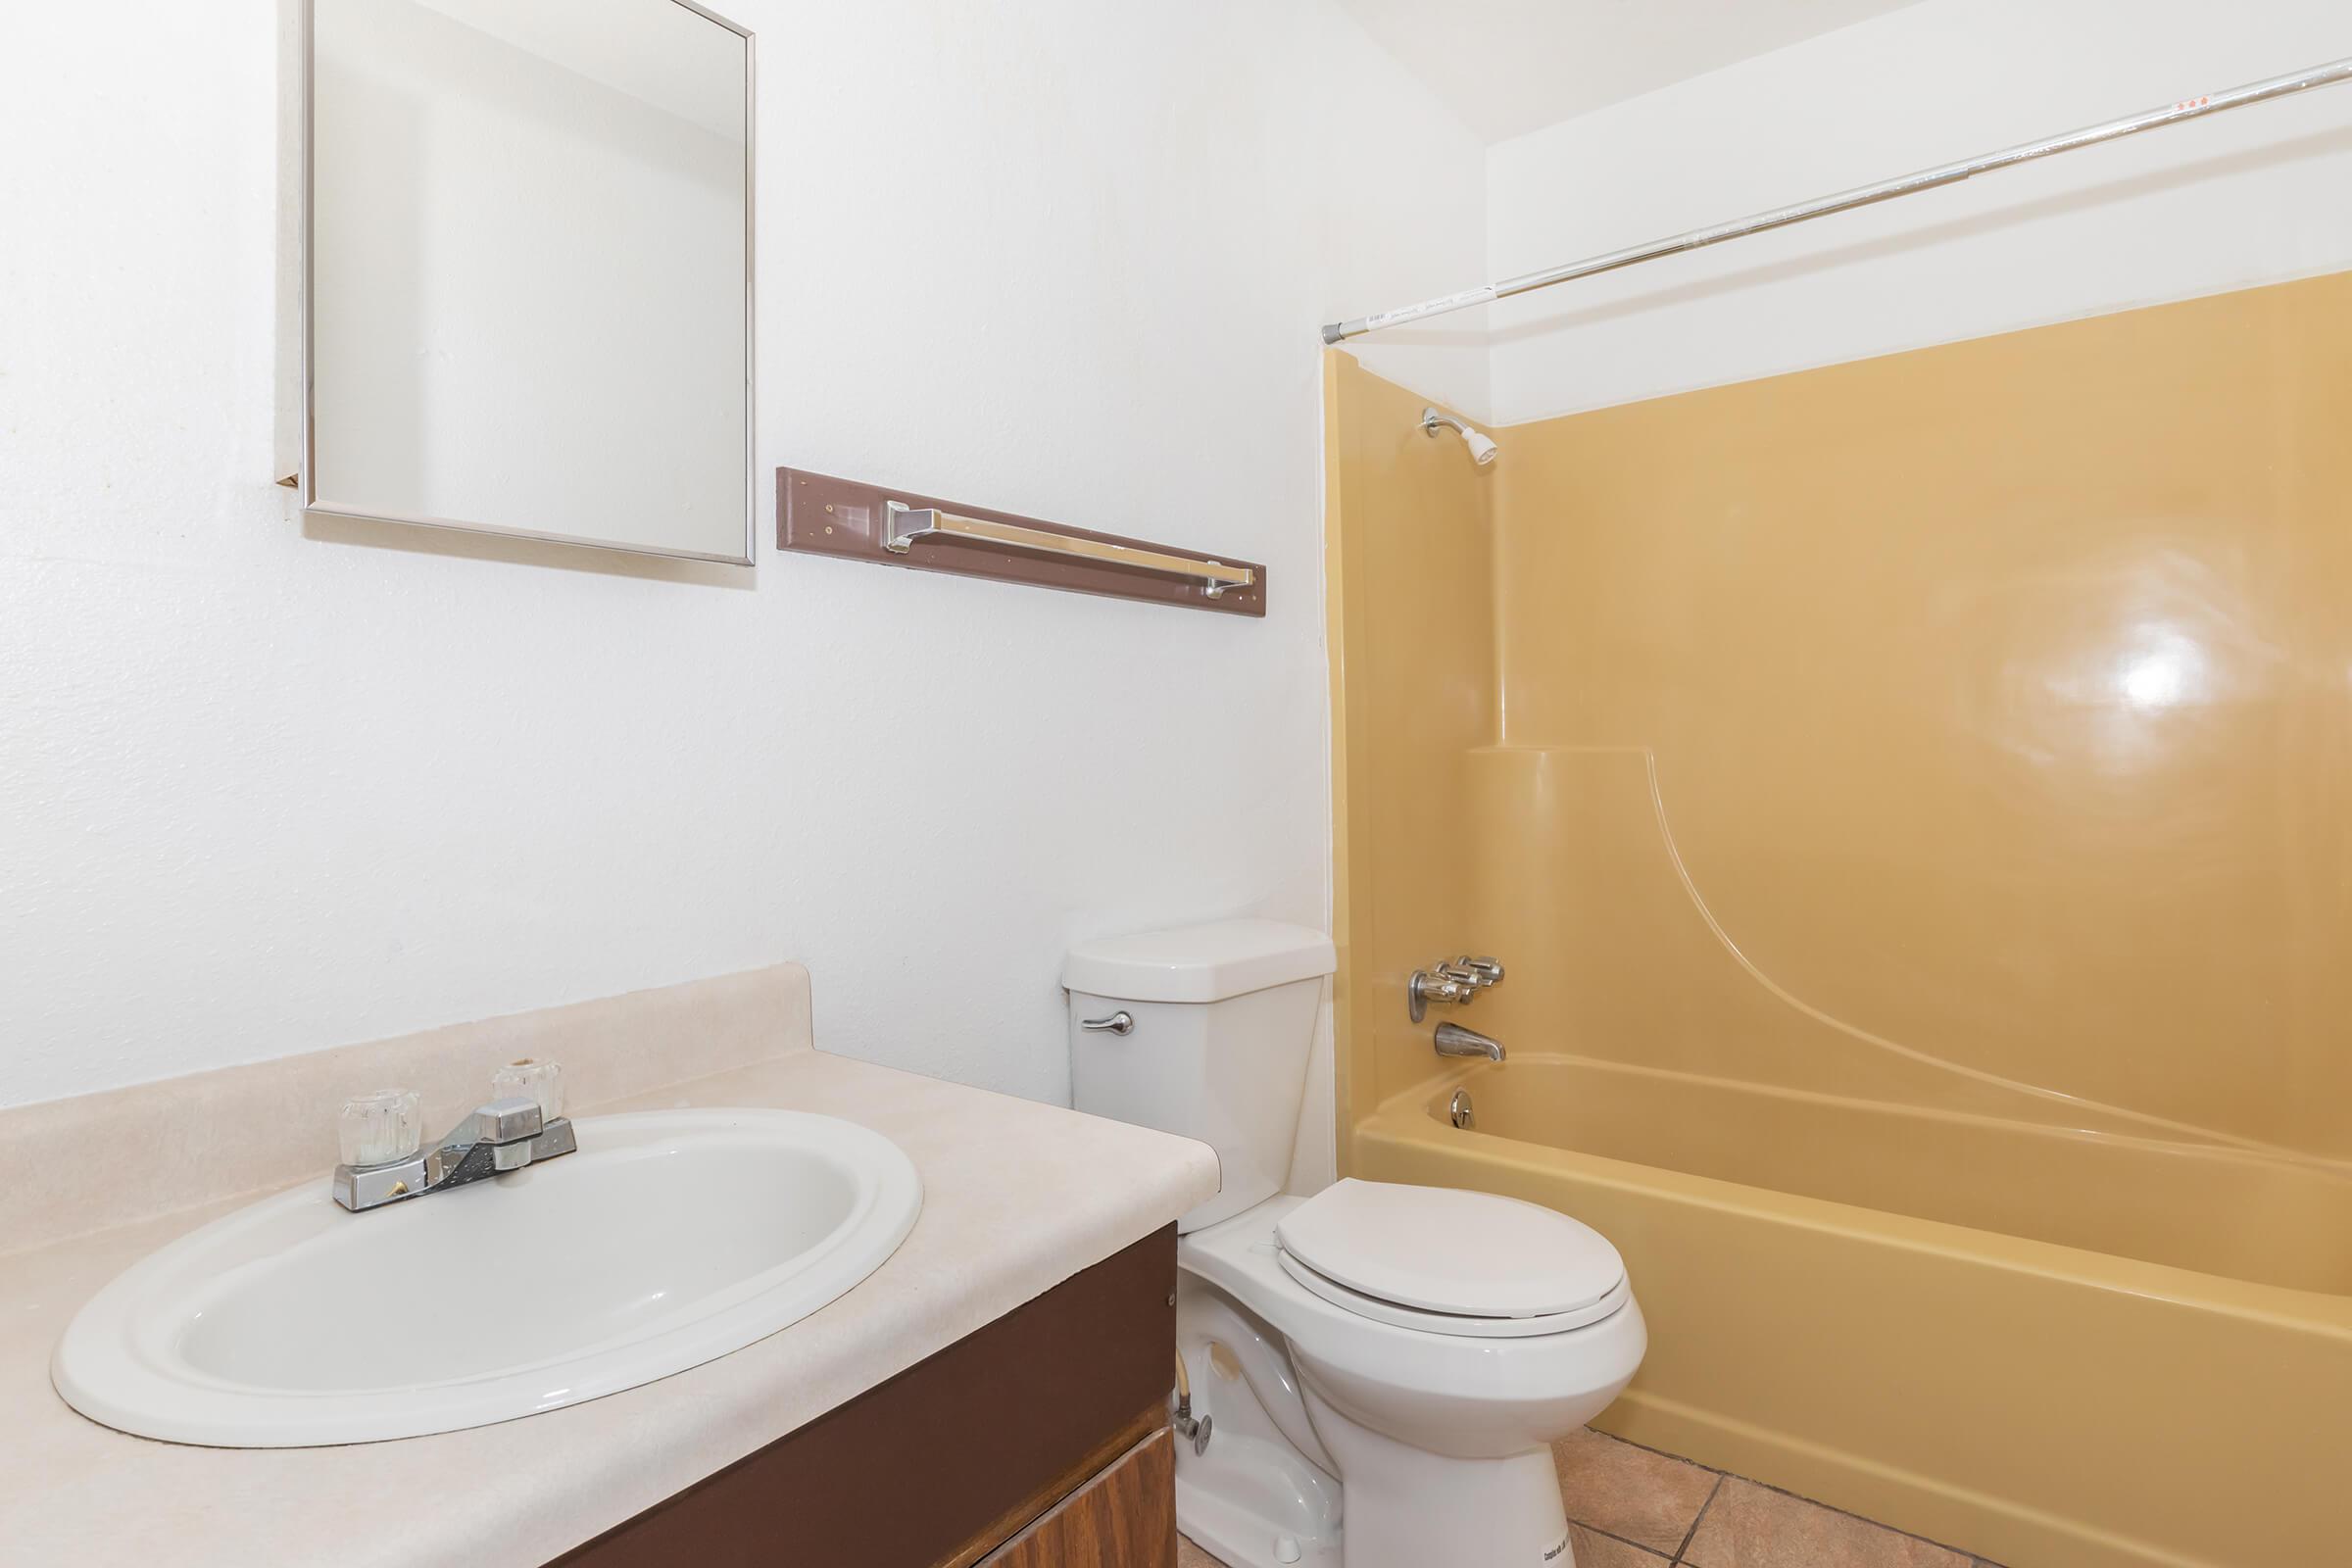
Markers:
2056,1348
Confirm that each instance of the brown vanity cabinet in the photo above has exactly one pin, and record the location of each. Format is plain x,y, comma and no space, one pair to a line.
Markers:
1040,1440
1127,1514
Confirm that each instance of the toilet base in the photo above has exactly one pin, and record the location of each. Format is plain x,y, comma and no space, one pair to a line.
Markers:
1249,1497
1253,1499
1238,1535
1405,1507
1477,1514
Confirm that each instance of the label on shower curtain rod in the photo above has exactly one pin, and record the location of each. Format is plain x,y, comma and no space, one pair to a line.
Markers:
1413,312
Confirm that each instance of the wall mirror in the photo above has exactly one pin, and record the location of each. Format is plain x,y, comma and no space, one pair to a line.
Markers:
527,270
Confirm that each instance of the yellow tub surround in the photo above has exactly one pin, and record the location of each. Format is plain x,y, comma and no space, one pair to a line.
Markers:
1909,800
1018,1197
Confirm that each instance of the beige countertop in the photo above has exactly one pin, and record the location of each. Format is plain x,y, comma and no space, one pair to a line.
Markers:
1018,1196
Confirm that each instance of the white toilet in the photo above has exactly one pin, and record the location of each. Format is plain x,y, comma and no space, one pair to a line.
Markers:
1409,1352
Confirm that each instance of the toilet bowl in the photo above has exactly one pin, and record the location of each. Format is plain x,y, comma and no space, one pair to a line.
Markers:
1377,1372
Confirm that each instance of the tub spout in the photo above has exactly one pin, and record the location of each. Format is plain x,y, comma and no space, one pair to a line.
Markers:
1455,1041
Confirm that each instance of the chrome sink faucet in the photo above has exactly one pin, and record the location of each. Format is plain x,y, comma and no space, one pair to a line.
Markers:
382,1162
1452,1039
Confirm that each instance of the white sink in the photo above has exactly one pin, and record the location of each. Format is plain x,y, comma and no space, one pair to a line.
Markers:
670,1239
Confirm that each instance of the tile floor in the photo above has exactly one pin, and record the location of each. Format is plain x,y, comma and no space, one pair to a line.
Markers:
1630,1508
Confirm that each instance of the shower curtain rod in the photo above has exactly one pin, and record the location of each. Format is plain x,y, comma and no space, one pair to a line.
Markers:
1860,196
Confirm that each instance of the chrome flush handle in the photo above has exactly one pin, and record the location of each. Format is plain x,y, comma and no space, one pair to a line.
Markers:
1121,1022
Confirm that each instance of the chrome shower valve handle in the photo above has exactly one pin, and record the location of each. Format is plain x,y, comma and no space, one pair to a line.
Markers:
1428,986
1455,982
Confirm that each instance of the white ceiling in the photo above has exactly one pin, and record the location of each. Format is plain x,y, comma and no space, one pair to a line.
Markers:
1509,67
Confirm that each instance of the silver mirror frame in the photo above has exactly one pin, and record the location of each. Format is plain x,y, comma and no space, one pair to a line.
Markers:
306,479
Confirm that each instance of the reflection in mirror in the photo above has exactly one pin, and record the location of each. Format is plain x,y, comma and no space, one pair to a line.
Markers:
527,302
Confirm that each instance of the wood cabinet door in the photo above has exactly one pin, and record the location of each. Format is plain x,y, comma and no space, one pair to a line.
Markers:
945,1462
1123,1518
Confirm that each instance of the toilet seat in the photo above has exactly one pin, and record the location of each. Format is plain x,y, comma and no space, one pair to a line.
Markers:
1448,1261
1454,1323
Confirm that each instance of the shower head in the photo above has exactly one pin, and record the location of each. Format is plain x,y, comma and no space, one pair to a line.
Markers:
1482,450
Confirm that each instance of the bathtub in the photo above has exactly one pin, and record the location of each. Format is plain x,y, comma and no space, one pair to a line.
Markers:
2055,1348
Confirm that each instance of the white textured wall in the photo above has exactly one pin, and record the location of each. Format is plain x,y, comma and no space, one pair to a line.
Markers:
2254,196
262,792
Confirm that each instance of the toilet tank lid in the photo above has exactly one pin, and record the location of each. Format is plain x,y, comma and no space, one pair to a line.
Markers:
1199,962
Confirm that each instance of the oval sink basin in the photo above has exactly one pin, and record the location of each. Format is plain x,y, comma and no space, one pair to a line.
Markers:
670,1239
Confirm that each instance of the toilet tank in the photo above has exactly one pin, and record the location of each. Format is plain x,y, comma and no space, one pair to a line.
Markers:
1224,1017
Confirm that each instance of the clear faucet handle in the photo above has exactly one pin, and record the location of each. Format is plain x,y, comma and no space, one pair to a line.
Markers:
542,1081
379,1128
